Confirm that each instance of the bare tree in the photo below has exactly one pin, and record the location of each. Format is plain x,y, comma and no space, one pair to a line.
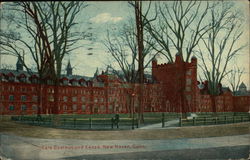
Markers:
179,28
123,49
141,20
49,28
220,46
234,78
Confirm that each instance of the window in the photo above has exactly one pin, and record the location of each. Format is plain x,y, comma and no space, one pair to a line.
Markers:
110,108
83,99
188,89
103,108
34,80
189,72
65,107
51,98
34,107
11,98
95,100
11,108
12,78
34,98
23,89
110,99
96,110
83,108
65,82
23,107
74,99
188,97
2,97
49,82
11,88
188,81
74,107
22,79
65,98
101,99
74,83
23,98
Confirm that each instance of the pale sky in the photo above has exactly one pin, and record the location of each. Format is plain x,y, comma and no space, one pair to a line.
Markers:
100,16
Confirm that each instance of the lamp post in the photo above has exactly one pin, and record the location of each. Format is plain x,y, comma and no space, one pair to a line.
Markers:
133,94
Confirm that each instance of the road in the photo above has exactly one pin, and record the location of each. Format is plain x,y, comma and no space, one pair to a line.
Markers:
25,148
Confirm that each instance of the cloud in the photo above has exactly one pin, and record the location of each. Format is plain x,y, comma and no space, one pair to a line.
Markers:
105,17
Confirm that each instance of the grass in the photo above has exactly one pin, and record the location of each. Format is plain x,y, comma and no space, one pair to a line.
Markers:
103,121
10,127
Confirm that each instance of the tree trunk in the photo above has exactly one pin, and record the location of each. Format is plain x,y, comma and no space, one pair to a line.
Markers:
39,99
55,111
213,104
139,27
183,86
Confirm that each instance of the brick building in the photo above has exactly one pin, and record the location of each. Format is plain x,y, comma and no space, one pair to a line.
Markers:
174,89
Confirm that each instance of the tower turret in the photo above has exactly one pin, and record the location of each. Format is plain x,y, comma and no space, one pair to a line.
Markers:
19,64
69,69
242,87
178,57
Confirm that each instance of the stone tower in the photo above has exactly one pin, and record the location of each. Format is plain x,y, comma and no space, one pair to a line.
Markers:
69,69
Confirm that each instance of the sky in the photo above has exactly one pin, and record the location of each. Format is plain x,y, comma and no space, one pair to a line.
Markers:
100,16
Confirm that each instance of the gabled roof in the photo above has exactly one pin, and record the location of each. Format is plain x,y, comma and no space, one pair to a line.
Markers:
242,85
225,89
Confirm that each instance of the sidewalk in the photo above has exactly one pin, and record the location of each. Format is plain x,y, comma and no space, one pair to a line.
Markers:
168,124
16,147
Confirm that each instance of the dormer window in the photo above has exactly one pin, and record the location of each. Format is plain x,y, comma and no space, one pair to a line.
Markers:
33,79
1,76
82,82
49,82
11,77
23,79
74,82
65,82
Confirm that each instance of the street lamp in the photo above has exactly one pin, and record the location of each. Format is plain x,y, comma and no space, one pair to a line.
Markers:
133,95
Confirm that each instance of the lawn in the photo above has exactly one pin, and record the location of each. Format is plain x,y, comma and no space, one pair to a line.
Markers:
10,127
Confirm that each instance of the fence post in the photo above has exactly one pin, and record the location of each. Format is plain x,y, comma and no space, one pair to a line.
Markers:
112,123
133,123
137,123
163,120
75,122
180,122
112,120
225,119
39,121
90,123
193,121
